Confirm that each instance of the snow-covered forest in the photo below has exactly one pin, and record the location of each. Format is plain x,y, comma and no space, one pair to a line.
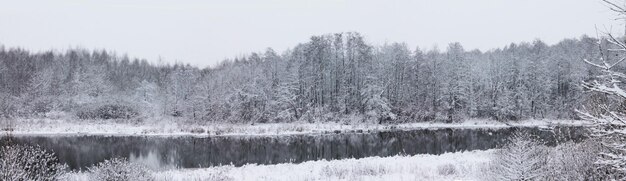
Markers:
337,106
331,78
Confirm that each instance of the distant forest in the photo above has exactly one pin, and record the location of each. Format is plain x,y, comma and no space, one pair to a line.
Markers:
331,78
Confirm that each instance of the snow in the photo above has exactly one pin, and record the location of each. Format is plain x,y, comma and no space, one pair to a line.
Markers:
448,166
50,127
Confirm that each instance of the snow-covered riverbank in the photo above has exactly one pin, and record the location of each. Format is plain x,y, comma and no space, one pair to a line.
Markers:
449,166
172,128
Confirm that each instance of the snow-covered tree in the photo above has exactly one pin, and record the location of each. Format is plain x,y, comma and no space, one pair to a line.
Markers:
148,97
179,90
610,118
538,75
376,107
523,158
38,98
609,114
457,83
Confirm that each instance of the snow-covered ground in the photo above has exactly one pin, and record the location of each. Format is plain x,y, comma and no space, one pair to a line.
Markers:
449,166
172,128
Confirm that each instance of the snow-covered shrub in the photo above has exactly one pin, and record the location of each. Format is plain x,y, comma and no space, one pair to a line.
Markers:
328,171
193,129
574,161
220,173
349,173
120,169
372,170
22,162
522,158
107,111
325,115
447,169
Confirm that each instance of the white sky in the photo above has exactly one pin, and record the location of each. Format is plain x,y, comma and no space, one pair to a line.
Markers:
203,33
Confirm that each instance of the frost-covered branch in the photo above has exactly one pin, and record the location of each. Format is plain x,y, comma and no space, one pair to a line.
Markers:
613,6
609,119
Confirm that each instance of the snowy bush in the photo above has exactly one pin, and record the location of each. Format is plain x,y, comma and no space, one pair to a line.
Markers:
523,158
119,169
574,161
108,111
209,174
447,169
330,171
349,173
196,130
21,162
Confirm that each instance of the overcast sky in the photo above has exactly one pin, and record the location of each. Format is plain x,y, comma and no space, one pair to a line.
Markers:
205,32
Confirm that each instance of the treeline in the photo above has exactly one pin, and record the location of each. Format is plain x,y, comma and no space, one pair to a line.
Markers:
335,77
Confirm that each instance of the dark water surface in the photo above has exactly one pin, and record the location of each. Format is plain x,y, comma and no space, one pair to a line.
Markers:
80,152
